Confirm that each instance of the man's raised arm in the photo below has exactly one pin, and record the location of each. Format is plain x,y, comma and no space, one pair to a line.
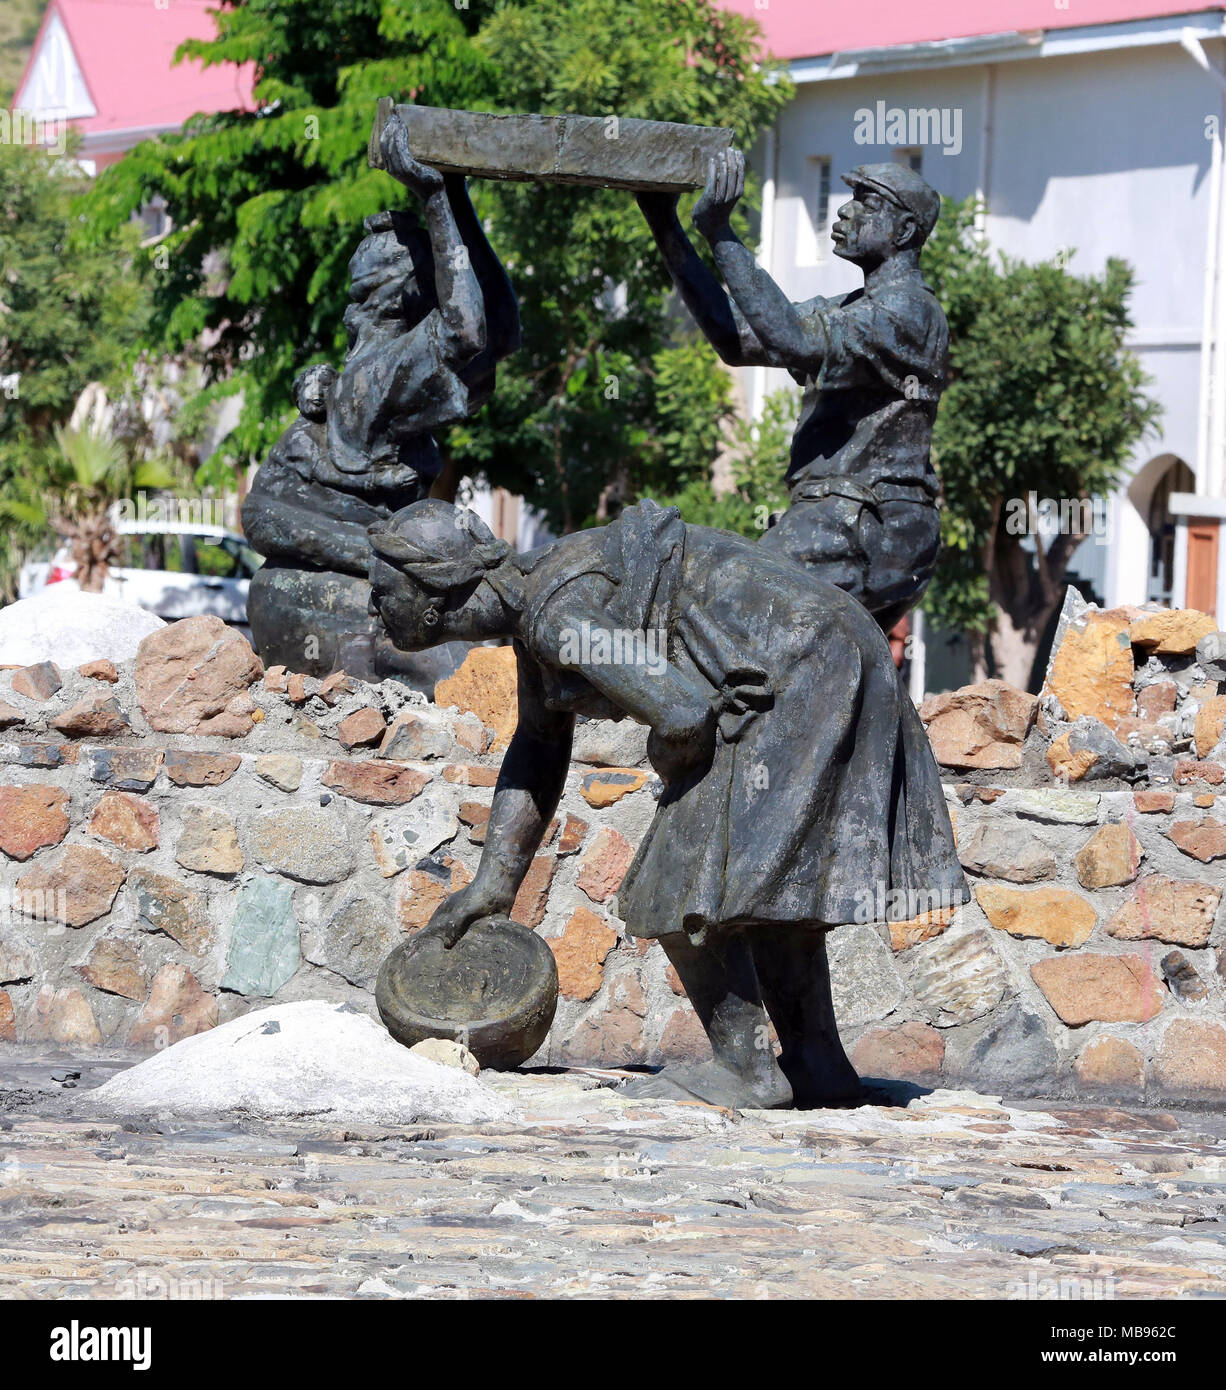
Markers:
719,319
779,327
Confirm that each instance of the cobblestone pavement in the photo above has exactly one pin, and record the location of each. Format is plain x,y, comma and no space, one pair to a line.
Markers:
946,1195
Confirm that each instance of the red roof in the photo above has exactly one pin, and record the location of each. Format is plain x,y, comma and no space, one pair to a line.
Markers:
811,28
125,50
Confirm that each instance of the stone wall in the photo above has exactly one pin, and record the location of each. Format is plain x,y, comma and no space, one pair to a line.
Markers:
186,837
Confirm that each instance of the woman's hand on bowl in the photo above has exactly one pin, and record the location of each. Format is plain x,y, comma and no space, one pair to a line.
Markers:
455,914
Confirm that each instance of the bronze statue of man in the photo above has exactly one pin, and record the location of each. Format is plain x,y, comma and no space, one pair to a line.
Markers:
872,365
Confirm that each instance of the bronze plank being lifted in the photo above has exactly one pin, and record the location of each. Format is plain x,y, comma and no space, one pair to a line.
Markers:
600,151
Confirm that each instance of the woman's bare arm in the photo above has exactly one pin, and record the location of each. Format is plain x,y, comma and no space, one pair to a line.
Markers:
526,796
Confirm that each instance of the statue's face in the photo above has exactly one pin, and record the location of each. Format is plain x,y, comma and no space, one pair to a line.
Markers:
414,619
391,276
870,228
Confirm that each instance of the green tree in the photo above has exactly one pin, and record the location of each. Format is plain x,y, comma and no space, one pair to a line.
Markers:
268,209
1044,398
19,21
758,453
66,319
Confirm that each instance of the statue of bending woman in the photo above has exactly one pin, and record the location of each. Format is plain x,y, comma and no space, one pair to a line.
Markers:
798,782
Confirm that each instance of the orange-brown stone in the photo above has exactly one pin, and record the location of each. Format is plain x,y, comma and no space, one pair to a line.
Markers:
1056,915
580,953
1203,839
1092,671
485,685
114,967
573,833
424,889
38,682
200,769
1173,632
1111,1064
981,725
176,1008
361,728
911,1052
78,888
1110,857
64,1016
1210,720
1089,986
533,895
1191,1062
610,784
97,716
921,928
101,670
1180,911
31,818
125,820
1069,763
377,784
194,677
469,775
604,864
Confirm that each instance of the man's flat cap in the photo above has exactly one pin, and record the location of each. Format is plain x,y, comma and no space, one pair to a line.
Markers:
903,187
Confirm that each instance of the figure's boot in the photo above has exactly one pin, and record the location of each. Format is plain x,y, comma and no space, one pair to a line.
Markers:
722,985
795,977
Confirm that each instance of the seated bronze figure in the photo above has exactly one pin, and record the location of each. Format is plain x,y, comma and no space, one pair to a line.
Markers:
431,314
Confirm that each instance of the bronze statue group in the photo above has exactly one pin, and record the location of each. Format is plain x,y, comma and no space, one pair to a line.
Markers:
795,772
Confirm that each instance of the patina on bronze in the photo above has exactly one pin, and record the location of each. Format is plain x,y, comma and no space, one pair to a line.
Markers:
597,151
796,773
431,314
496,991
872,365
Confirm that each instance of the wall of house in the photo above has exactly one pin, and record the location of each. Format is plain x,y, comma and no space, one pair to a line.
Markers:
195,837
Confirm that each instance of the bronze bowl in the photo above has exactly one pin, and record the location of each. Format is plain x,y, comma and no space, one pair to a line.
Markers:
495,991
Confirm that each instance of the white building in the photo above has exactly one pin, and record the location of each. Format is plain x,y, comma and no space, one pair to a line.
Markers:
1089,127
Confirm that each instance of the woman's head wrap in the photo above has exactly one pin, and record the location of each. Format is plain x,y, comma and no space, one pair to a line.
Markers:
438,546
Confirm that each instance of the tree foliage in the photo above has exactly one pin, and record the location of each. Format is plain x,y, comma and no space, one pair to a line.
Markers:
1044,397
67,318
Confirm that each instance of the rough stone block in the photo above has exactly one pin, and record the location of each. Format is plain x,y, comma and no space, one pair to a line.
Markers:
1057,915
958,979
264,950
31,818
311,845
1090,986
600,151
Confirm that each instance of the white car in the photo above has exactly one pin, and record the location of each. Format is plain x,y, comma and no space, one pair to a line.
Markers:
173,569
